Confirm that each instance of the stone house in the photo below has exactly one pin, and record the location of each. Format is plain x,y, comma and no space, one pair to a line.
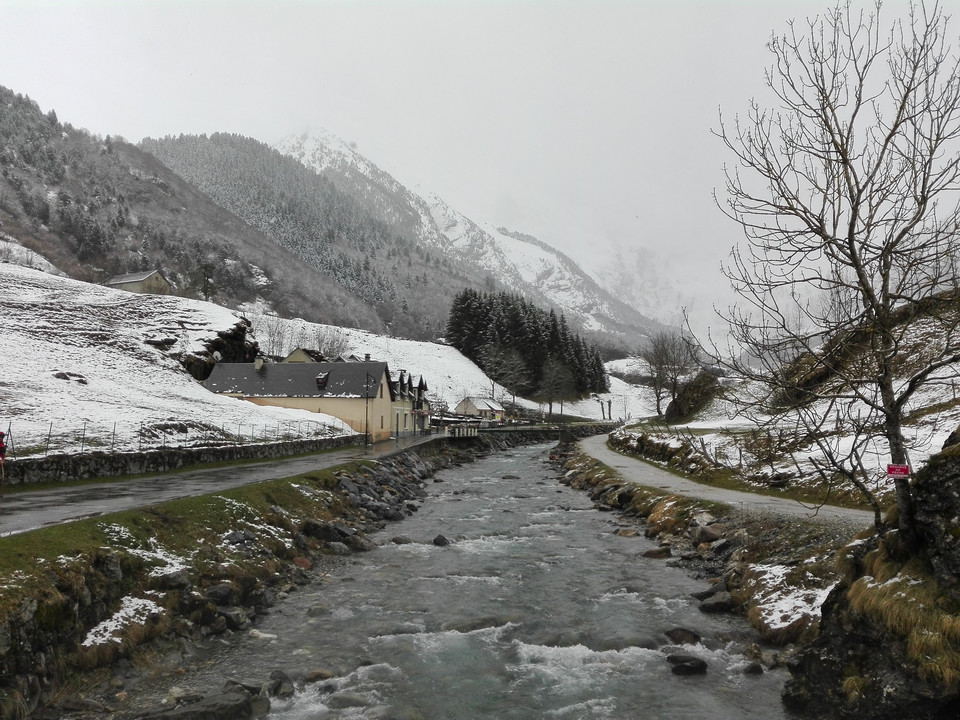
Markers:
358,393
363,394
151,282
483,408
411,408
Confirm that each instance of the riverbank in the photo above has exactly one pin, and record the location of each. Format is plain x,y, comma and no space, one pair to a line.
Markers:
866,632
775,573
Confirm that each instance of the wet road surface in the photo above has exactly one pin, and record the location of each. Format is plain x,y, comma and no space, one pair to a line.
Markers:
32,509
634,470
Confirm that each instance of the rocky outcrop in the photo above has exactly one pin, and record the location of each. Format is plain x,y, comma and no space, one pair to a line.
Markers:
888,645
937,514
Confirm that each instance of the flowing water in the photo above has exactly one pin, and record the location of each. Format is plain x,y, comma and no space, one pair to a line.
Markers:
535,610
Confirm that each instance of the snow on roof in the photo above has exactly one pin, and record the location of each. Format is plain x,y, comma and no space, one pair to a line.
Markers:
132,277
482,403
340,380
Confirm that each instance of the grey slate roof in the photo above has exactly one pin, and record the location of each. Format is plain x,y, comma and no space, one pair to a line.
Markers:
131,277
297,379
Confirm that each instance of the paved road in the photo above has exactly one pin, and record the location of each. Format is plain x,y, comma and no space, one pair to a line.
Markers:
635,470
32,509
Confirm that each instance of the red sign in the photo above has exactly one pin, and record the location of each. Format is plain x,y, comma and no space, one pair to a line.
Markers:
898,471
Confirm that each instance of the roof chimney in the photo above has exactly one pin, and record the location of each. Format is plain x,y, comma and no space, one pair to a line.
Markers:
366,358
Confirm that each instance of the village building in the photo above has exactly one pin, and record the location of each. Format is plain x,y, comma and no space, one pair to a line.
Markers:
363,394
483,408
411,408
150,282
300,355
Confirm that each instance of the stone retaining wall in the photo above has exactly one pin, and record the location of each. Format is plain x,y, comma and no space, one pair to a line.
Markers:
62,468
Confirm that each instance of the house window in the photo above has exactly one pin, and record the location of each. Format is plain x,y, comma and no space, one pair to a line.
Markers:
381,391
381,422
322,380
404,421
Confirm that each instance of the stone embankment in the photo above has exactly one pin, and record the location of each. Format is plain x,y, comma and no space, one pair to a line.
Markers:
61,624
708,540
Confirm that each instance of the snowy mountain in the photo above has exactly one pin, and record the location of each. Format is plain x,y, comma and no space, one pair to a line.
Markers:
518,262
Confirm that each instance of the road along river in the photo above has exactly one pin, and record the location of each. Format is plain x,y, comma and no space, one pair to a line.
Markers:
536,609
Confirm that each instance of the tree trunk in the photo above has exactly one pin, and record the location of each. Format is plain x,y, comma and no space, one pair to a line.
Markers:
893,430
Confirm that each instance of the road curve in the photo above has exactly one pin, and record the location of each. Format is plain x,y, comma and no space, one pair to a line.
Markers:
636,470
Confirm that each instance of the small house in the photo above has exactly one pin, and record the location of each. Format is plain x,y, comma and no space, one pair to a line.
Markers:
484,408
151,282
303,355
359,393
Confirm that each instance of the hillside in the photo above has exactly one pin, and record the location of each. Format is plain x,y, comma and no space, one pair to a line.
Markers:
315,231
97,207
516,261
92,367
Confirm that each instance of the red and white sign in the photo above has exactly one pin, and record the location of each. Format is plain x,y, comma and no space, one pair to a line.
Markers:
898,471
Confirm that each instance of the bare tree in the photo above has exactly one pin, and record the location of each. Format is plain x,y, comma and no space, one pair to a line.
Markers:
330,341
670,356
557,383
846,193
505,365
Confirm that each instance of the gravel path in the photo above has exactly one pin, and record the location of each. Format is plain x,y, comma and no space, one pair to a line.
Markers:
636,470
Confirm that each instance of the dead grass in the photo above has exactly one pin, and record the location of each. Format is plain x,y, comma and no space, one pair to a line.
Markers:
905,600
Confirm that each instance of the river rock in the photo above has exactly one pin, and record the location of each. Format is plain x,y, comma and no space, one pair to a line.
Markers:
717,587
233,704
658,553
441,541
223,594
344,701
281,686
719,602
683,636
317,675
320,530
360,544
687,664
704,534
237,618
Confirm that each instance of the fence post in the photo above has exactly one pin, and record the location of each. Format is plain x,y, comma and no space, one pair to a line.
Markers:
113,440
140,438
83,437
46,448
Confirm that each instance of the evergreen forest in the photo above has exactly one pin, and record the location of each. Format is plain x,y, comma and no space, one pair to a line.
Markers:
530,351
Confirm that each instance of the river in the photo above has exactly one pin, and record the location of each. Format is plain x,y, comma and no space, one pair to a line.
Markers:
536,609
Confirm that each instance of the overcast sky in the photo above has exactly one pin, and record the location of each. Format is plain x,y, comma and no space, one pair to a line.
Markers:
586,123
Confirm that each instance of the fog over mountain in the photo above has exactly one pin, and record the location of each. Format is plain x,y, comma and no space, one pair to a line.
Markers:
405,254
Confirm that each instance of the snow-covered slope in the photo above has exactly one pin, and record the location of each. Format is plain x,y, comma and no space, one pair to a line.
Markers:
89,367
79,370
519,263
